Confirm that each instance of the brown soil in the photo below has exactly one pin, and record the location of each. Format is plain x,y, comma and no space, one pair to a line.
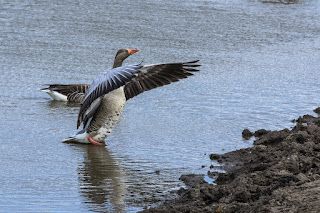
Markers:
280,173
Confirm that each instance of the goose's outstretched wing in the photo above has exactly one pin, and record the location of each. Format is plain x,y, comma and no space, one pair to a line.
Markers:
104,84
153,76
135,79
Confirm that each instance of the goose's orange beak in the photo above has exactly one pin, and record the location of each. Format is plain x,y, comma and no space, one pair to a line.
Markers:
131,51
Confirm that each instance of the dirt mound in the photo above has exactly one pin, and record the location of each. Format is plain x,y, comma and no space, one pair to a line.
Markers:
280,173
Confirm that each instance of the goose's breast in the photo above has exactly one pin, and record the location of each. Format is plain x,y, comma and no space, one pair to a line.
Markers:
108,114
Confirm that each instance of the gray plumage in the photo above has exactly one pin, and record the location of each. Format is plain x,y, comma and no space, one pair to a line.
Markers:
129,81
104,100
73,92
153,76
104,84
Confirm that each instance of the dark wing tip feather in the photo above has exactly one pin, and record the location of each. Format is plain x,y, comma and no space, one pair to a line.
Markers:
192,62
160,75
186,65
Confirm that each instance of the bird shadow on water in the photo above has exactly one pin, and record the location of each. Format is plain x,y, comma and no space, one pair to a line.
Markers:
62,104
61,108
101,180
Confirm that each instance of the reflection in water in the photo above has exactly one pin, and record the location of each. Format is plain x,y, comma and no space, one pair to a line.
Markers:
53,104
57,104
63,108
281,1
101,180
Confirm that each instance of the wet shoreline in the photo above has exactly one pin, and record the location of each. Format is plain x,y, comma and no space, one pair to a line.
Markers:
280,173
259,60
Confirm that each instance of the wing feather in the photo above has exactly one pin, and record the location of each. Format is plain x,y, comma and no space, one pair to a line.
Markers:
104,84
157,75
136,79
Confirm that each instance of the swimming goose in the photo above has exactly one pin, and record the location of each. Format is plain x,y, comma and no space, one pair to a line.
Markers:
105,99
76,92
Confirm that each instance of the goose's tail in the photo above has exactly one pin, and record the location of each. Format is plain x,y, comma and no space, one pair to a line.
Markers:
54,94
80,137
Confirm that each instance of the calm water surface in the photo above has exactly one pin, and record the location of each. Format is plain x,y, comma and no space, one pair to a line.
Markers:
260,69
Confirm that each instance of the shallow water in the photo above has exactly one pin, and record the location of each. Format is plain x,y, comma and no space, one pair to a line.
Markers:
260,69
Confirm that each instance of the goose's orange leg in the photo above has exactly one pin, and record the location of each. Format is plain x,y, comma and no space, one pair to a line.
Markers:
94,142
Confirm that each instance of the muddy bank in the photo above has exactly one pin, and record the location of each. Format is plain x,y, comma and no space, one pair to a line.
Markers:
280,173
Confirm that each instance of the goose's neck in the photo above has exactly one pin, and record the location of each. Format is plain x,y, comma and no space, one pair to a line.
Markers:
117,63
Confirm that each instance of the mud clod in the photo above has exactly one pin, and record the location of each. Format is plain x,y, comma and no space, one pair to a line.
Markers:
280,173
260,132
317,110
214,156
246,133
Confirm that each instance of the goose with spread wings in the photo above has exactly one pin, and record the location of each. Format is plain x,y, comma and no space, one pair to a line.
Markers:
76,92
105,99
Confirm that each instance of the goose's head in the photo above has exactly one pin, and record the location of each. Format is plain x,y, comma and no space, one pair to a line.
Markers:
121,55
